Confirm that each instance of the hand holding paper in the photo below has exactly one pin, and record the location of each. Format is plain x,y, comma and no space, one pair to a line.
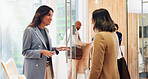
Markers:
62,49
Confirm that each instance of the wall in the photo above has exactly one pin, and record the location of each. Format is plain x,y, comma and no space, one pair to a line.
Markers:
133,45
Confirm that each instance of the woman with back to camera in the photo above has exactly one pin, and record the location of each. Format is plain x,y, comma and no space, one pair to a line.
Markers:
106,46
37,46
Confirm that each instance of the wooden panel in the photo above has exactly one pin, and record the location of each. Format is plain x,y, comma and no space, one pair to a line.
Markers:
133,45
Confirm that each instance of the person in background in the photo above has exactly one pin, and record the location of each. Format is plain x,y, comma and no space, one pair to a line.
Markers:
92,40
37,46
104,57
75,62
78,39
119,34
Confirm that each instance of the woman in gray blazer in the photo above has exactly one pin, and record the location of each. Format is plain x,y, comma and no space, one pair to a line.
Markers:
37,46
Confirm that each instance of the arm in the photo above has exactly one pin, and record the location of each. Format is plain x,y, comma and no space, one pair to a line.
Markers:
98,57
120,38
27,41
78,42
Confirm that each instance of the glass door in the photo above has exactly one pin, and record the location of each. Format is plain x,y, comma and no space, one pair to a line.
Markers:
143,40
65,37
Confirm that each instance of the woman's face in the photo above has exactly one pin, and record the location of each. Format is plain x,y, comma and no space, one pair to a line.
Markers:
47,18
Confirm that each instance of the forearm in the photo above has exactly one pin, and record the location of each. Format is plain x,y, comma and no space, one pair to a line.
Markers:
32,53
94,74
80,43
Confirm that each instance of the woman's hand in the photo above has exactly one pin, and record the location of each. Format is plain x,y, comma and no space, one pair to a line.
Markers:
47,53
88,44
62,49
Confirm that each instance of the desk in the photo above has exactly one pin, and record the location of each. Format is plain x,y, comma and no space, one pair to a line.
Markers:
84,62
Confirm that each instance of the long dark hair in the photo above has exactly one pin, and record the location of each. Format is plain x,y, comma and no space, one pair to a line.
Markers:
103,21
40,12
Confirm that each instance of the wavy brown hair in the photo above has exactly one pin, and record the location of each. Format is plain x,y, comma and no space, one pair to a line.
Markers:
40,12
102,20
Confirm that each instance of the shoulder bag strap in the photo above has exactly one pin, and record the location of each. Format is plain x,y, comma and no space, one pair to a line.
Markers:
121,51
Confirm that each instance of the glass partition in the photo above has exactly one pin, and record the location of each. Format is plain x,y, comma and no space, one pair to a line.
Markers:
15,16
143,41
137,38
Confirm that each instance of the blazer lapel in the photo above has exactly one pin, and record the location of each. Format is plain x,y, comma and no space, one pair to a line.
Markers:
37,31
49,39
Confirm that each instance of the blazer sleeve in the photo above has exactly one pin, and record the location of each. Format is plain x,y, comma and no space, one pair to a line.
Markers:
27,41
54,49
98,57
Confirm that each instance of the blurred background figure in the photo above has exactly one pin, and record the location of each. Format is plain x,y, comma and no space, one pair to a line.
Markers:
76,62
119,34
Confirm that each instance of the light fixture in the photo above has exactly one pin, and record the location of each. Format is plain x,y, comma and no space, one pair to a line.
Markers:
96,1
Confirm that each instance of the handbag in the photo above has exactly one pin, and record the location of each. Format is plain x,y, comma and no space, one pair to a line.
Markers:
122,67
76,53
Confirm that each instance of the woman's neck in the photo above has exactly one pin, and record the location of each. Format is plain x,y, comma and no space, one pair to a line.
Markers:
41,26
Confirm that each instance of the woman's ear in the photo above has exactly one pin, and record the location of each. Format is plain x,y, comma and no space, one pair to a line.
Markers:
92,21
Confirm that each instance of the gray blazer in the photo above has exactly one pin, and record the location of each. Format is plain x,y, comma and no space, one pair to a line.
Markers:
34,62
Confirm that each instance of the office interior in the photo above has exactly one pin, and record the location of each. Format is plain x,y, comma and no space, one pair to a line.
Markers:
130,15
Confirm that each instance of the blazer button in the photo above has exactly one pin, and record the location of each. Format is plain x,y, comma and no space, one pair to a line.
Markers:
39,46
37,65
